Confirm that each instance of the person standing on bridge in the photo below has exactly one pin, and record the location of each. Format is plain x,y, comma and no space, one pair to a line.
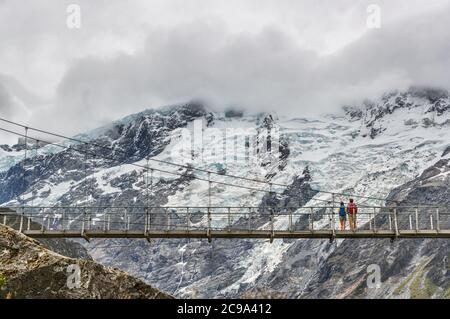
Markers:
352,210
342,215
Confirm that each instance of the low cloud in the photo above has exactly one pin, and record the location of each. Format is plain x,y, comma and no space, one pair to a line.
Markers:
225,61
6,103
266,71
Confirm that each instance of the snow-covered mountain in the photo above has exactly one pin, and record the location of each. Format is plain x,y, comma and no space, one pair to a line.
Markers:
380,148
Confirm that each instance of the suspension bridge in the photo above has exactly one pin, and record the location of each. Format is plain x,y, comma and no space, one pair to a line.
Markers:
209,222
225,222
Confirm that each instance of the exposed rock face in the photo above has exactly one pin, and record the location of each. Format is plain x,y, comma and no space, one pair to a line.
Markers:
270,138
417,106
295,195
233,113
447,151
430,93
29,270
20,146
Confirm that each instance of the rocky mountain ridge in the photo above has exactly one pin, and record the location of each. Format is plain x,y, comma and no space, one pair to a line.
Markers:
418,106
28,270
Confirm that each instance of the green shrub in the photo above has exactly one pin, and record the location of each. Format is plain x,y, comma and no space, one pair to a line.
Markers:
2,280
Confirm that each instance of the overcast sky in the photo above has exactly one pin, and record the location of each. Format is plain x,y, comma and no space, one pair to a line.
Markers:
294,56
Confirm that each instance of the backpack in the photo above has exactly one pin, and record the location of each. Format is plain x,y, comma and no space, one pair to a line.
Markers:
352,208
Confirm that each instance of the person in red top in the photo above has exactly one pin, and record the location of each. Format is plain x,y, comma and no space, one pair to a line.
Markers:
352,209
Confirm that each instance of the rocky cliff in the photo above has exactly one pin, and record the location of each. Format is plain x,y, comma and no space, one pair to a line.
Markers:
29,270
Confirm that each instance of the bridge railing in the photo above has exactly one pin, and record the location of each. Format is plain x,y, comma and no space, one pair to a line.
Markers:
271,219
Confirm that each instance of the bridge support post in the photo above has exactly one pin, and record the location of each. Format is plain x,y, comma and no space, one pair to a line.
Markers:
188,219
125,219
395,225
150,210
396,222
105,221
249,225
63,217
417,219
21,223
209,218
146,223
167,219
146,227
82,224
24,168
42,224
374,219
290,222
83,233
229,219
331,218
208,231
333,225
209,208
438,227
272,233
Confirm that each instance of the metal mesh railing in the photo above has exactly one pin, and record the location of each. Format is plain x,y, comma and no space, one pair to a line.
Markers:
231,219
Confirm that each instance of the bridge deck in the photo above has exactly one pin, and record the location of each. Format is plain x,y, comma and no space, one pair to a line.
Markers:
252,234
226,222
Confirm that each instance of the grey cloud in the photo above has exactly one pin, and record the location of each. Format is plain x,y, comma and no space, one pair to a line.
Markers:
212,56
13,105
15,100
6,103
259,72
